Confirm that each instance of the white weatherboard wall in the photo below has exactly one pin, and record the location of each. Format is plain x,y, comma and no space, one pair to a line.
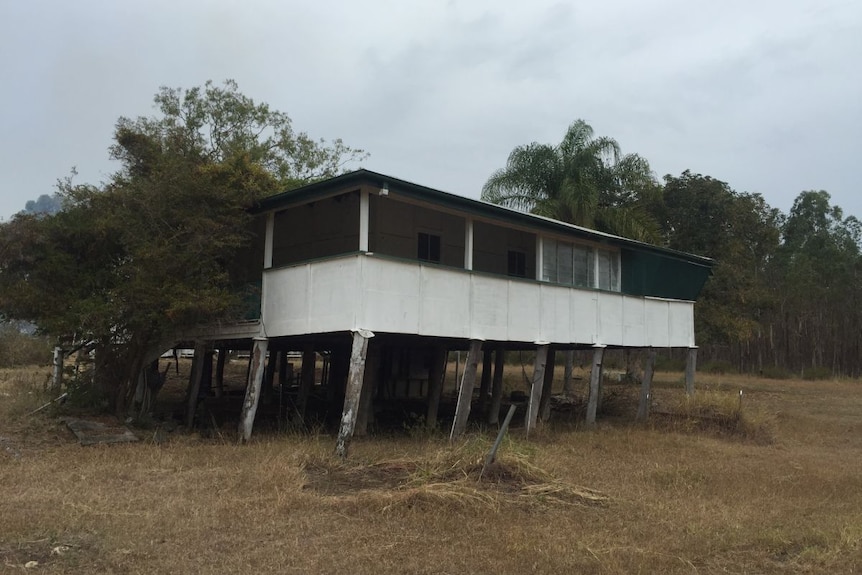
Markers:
385,295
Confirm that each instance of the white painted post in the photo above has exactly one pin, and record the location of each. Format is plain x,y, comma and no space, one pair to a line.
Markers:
595,385
268,241
643,405
195,382
536,387
363,220
539,257
468,244
57,375
366,398
465,393
252,390
352,396
690,367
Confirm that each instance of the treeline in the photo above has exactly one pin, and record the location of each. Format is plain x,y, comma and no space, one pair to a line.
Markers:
785,292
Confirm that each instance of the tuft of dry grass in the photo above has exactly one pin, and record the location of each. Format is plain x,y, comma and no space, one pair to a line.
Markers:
446,477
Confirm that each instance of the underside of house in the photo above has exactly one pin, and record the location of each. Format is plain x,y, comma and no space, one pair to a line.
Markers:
380,278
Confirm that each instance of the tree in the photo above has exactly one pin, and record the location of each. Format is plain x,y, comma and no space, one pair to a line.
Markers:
819,267
44,204
584,180
702,215
128,265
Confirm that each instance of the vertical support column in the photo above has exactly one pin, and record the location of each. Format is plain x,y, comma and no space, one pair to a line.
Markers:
643,404
195,382
363,220
465,393
306,378
252,390
57,374
366,398
268,241
282,369
690,367
547,386
468,244
496,387
595,384
436,376
219,374
567,373
485,385
207,373
536,386
353,393
539,257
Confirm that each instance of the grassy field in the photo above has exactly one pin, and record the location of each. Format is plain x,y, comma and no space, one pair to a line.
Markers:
702,488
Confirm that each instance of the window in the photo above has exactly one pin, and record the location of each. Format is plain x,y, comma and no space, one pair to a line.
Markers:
609,270
517,266
429,247
580,265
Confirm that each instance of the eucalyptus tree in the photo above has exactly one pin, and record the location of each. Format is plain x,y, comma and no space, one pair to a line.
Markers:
583,180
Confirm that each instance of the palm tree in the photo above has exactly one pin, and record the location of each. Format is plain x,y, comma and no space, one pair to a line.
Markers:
584,181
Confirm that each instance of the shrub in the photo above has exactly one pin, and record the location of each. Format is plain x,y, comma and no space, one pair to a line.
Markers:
663,363
717,366
817,373
775,372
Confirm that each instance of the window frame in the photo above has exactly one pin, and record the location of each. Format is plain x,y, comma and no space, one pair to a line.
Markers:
431,235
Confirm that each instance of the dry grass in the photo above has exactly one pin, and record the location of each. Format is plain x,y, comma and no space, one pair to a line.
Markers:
666,497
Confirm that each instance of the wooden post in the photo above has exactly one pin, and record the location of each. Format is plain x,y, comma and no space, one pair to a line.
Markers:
690,367
536,386
268,387
643,405
354,391
57,374
195,382
485,385
567,373
465,393
252,390
547,386
207,373
496,386
436,376
219,374
595,385
282,369
366,398
306,379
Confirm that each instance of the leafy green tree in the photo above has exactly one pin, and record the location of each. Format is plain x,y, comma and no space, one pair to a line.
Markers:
130,264
583,180
819,268
740,231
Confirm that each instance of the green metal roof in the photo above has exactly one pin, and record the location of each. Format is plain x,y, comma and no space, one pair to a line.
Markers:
489,211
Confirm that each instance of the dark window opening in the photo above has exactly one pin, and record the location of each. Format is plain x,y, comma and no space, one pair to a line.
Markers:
517,264
429,247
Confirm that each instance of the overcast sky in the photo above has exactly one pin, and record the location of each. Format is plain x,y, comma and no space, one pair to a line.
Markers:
763,94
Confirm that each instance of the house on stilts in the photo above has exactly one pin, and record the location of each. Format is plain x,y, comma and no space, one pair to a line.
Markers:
385,277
